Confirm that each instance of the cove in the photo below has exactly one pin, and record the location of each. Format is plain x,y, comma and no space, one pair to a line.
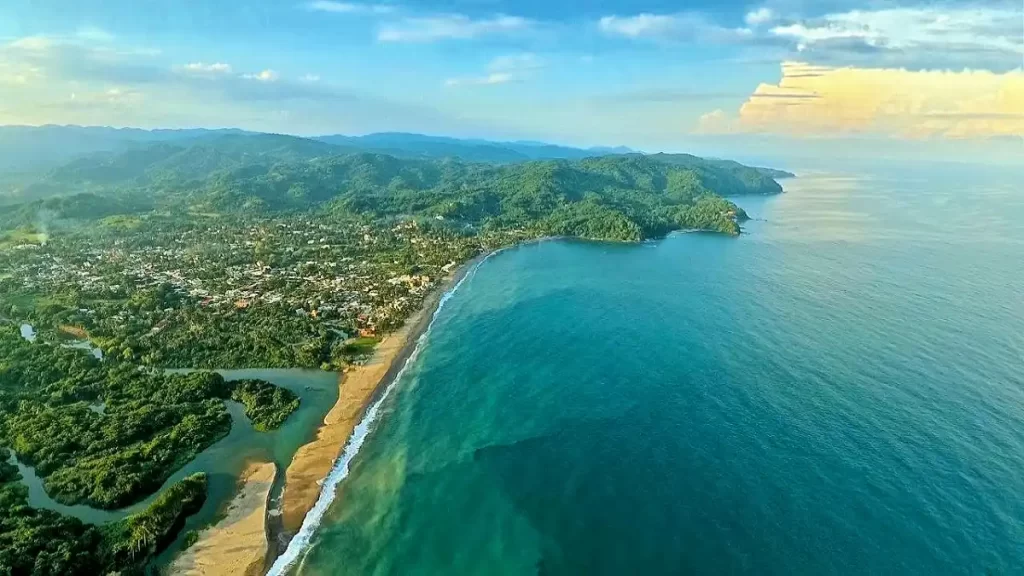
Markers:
836,391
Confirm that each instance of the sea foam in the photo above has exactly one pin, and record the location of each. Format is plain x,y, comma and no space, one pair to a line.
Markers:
339,471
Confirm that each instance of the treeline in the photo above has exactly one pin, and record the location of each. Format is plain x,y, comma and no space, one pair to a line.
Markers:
45,543
266,405
107,434
624,197
608,198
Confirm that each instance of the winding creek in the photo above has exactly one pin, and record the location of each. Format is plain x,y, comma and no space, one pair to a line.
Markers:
225,460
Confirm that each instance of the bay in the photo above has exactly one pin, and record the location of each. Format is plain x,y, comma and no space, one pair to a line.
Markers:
839,390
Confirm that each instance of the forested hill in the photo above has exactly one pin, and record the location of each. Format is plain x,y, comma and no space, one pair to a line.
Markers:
622,197
26,149
241,251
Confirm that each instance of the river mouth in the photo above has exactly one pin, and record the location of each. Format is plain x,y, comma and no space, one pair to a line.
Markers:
226,459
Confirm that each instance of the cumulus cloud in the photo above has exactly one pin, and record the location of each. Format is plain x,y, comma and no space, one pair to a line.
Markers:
349,7
68,79
73,58
715,122
204,68
639,26
834,101
684,26
502,70
762,15
263,76
451,27
907,28
933,36
920,37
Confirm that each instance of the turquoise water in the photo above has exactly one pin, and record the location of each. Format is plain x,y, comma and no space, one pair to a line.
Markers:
838,391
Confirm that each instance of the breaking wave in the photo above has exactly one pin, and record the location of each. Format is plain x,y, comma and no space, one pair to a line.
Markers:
300,543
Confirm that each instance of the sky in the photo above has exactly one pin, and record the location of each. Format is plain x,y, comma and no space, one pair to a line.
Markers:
714,76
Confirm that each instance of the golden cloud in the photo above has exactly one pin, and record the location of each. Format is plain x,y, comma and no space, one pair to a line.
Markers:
830,101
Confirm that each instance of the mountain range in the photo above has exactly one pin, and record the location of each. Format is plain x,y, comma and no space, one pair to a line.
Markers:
35,148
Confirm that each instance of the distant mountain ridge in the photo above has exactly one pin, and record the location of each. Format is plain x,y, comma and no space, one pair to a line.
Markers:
34,148
38,148
402,144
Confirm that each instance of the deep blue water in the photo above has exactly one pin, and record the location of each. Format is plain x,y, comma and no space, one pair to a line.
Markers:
840,390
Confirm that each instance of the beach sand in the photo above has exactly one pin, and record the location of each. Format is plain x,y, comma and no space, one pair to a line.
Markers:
237,545
357,388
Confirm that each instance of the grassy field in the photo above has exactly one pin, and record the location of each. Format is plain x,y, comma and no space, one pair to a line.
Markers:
9,238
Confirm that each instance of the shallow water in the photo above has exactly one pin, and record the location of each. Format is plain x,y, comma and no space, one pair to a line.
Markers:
839,390
225,460
27,332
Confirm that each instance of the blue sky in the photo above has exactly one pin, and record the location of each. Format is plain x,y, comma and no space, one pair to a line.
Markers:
651,74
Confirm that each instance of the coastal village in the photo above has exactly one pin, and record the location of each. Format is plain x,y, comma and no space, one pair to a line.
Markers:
233,292
349,278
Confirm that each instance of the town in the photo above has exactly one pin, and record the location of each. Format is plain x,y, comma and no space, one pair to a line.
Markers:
220,292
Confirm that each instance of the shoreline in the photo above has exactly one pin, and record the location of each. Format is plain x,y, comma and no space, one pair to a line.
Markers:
236,544
359,389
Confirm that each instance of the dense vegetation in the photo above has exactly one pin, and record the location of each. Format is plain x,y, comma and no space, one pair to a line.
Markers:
40,541
45,543
129,543
266,405
243,251
107,434
623,197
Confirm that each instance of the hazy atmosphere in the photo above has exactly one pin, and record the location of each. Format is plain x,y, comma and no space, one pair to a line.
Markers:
532,288
903,76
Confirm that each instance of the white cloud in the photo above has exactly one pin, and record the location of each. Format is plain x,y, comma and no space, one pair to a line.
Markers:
264,76
33,43
118,85
204,68
71,58
762,15
826,101
451,27
683,26
522,61
939,29
490,79
121,96
639,25
924,37
349,7
502,70
94,34
715,122
18,73
310,78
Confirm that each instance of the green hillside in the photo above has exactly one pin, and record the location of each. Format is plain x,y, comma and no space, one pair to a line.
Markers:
620,197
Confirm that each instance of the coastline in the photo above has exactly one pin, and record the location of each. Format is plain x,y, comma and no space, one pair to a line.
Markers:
237,544
359,388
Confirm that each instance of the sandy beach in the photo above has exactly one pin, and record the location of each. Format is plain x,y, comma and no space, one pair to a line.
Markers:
237,545
357,389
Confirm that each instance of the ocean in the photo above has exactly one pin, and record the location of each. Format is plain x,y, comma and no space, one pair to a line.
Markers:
839,390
